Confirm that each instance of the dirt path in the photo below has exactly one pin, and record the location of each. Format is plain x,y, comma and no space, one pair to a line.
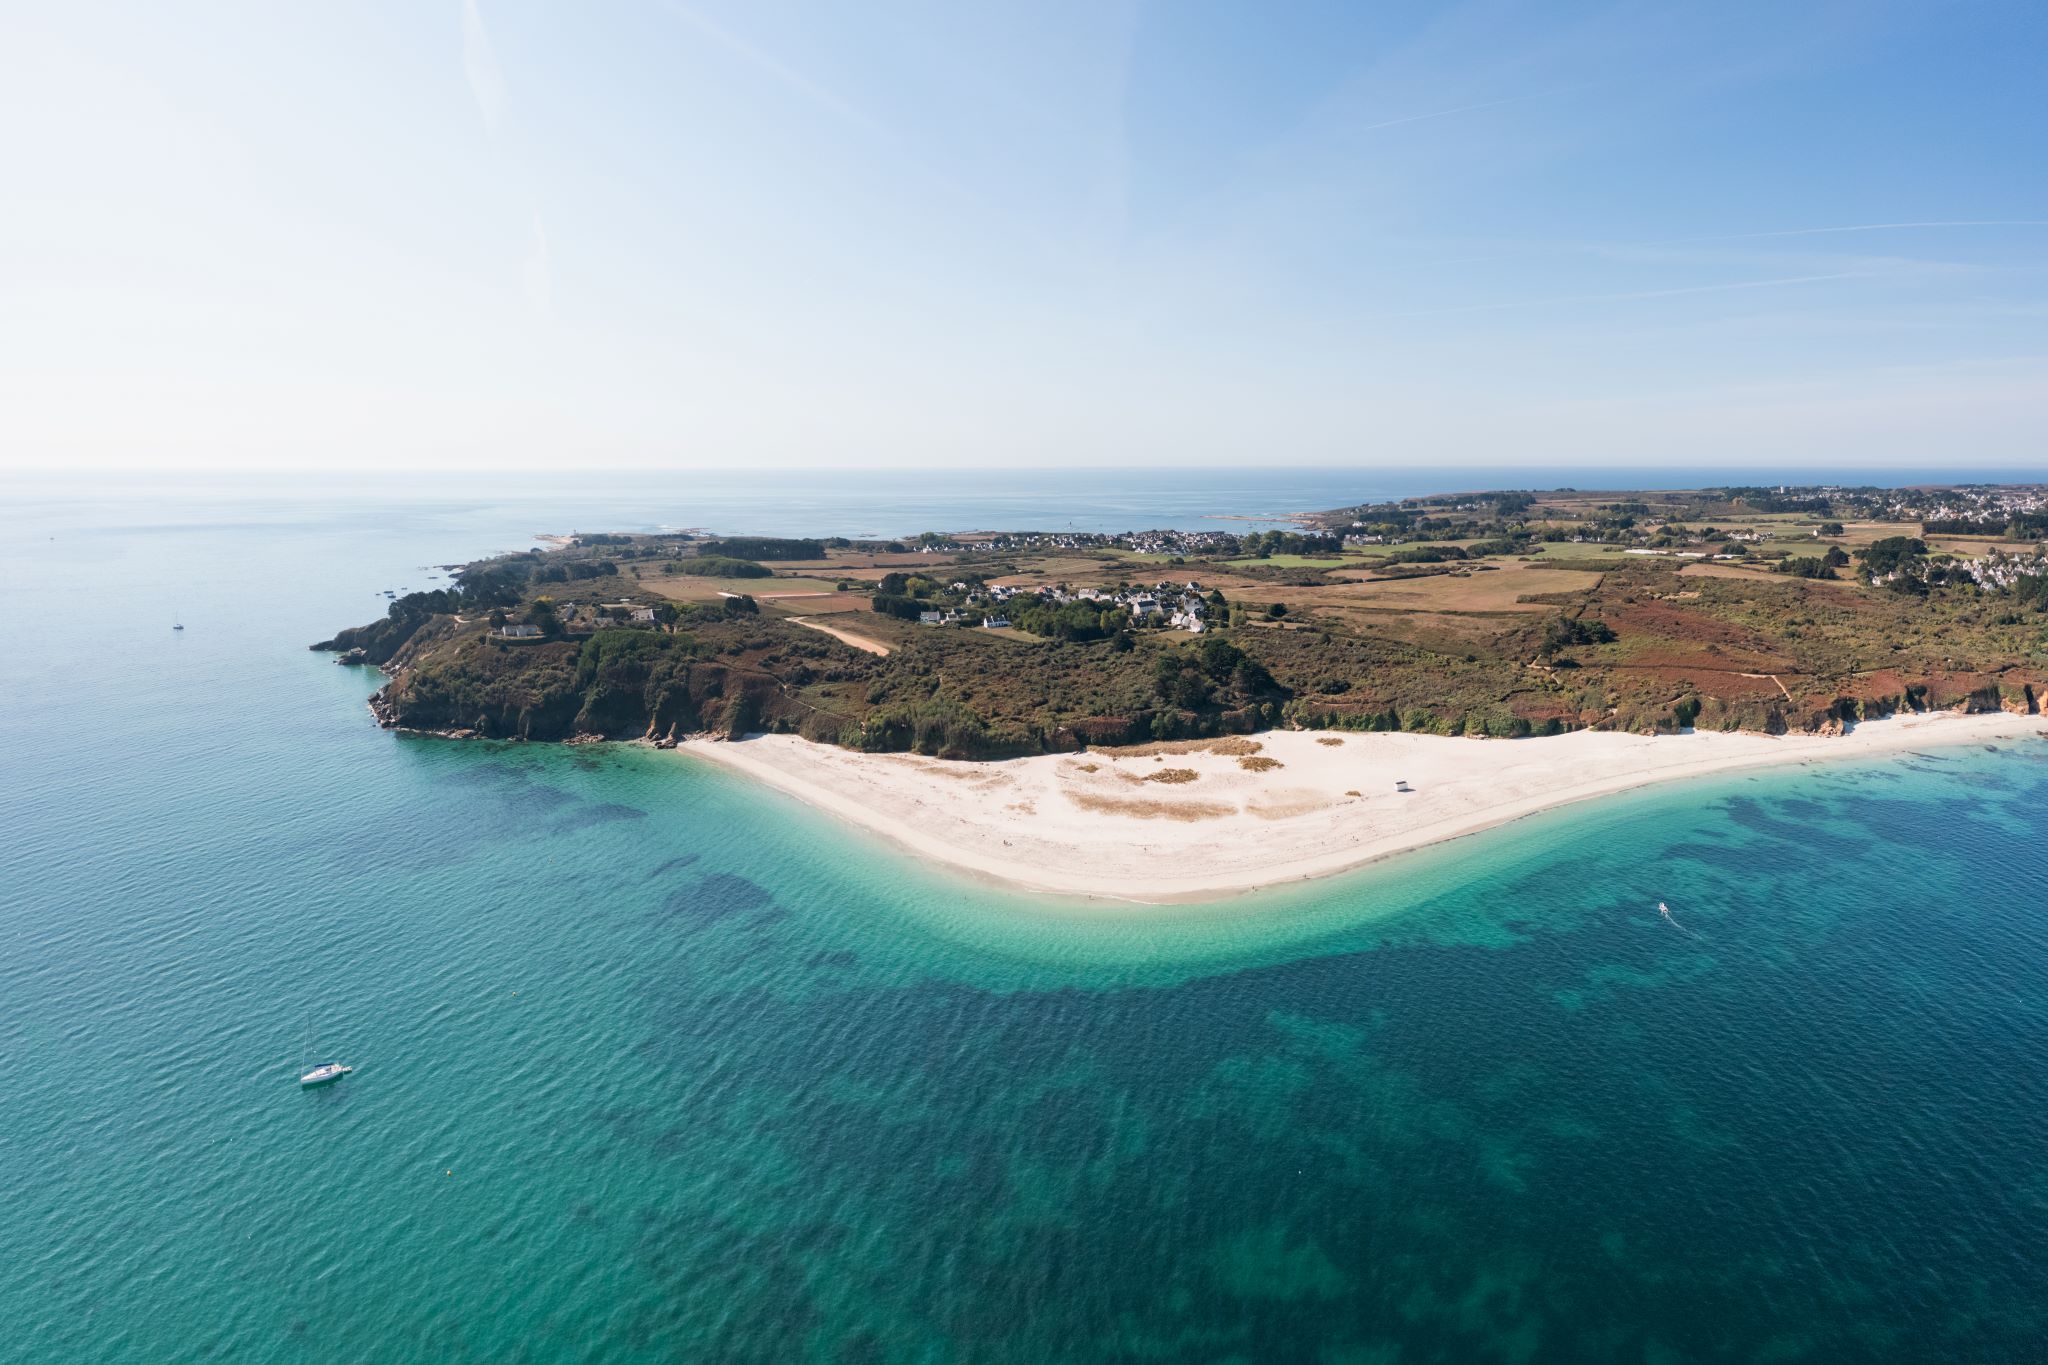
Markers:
846,637
1772,676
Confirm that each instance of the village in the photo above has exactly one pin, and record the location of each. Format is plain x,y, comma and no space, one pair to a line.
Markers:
1174,606
1170,543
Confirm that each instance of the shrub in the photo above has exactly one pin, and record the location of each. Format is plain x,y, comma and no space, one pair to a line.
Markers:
717,566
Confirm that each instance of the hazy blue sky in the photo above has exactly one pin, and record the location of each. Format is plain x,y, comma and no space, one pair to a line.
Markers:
606,234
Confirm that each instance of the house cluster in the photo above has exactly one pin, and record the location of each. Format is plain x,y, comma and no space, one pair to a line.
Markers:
632,612
1179,606
1951,504
1999,572
1182,543
1049,540
579,619
1186,544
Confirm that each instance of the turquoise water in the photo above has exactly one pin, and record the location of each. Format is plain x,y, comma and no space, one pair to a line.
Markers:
656,1065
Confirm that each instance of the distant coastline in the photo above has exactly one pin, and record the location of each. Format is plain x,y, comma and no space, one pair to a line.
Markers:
1211,819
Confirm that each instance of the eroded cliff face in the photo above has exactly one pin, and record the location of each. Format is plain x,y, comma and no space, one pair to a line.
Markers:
617,685
374,643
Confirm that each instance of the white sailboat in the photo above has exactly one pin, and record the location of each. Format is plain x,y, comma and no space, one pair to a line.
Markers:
324,1074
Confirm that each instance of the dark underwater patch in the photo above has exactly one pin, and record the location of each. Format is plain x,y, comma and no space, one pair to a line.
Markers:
721,896
604,813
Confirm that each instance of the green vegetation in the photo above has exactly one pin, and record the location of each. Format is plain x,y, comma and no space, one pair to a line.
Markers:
1497,614
718,566
1565,632
1078,621
1814,566
1267,544
761,547
1892,554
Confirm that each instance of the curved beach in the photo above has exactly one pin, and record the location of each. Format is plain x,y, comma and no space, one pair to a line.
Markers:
1202,820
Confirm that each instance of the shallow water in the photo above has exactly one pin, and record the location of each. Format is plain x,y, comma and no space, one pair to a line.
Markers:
654,1064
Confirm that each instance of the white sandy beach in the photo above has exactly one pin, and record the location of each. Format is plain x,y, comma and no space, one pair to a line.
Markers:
1092,824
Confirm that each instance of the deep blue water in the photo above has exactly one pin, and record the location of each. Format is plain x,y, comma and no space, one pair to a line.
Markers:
655,1065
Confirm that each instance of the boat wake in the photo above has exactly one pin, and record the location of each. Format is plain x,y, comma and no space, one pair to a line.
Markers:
1665,911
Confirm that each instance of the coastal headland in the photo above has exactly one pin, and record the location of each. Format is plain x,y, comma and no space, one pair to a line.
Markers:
1207,819
1161,714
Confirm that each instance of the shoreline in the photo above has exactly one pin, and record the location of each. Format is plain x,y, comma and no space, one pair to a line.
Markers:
1207,820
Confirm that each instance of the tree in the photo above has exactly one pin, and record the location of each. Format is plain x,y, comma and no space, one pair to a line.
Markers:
902,608
718,566
542,613
1892,554
1191,691
762,547
1566,632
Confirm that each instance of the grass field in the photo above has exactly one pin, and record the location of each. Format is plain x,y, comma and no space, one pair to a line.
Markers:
1011,633
1079,570
838,604
1575,553
694,588
1296,561
1723,570
1484,591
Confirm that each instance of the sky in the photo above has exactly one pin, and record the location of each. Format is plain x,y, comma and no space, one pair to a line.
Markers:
541,236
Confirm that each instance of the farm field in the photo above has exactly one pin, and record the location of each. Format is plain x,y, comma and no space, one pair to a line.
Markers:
698,588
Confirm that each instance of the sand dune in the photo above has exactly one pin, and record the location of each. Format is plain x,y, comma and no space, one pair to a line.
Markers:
1202,821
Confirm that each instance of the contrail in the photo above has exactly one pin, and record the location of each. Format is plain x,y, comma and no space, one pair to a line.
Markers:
1876,227
1757,236
765,61
1628,297
480,66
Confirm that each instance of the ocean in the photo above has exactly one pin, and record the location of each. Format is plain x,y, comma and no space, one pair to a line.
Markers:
653,1064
